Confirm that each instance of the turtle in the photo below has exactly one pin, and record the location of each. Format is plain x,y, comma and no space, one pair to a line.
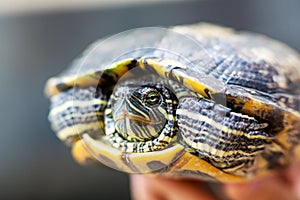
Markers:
199,101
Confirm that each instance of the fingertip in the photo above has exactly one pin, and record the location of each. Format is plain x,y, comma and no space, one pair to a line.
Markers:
155,187
293,176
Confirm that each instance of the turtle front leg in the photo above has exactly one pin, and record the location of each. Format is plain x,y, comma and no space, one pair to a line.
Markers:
226,139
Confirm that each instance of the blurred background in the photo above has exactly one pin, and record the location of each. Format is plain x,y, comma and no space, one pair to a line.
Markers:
38,39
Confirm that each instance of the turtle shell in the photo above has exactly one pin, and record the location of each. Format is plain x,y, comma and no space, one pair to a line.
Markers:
240,87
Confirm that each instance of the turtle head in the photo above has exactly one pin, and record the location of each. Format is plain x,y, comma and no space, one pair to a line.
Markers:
139,110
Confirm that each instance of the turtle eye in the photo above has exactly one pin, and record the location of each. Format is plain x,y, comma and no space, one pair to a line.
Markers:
152,98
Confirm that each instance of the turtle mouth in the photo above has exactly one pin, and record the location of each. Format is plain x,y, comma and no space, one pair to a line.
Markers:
136,119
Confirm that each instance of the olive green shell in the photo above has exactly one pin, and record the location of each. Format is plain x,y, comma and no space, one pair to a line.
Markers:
251,73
